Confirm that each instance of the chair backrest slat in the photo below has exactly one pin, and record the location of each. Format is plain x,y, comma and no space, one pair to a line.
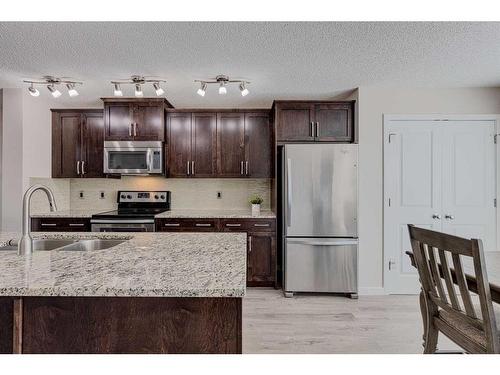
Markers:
448,280
425,243
435,274
462,285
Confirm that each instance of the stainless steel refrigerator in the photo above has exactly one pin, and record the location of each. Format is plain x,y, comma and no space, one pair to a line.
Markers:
320,231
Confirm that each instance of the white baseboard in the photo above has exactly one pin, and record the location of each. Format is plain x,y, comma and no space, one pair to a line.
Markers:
371,291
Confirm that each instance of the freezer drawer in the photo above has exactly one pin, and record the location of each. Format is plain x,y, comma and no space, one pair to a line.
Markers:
321,265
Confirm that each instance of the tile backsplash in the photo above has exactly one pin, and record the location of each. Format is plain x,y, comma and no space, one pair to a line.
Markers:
189,193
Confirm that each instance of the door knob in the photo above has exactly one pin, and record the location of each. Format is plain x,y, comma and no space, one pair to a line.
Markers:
449,217
436,216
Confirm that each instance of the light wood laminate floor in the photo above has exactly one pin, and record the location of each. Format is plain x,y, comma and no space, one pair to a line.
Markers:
332,324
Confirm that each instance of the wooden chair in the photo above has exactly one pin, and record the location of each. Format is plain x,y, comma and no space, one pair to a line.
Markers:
441,309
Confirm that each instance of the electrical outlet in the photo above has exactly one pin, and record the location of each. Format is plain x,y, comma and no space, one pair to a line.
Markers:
219,194
81,194
101,195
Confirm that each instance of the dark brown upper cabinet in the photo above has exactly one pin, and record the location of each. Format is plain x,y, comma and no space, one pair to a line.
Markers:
314,121
258,145
127,119
191,146
231,144
77,143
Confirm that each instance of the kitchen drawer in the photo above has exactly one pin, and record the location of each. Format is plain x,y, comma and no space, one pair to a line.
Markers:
248,225
186,225
60,224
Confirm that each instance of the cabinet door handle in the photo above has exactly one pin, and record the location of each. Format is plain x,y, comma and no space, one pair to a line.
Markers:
317,129
233,225
241,168
130,129
76,224
78,167
261,225
203,225
48,224
83,166
171,225
135,129
246,167
192,168
312,129
249,244
188,168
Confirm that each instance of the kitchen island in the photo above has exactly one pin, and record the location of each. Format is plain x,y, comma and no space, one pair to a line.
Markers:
154,293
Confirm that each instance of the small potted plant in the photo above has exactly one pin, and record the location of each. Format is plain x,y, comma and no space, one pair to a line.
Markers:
256,201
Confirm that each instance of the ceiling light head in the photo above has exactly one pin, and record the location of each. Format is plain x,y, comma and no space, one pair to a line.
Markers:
33,91
55,92
222,88
118,91
138,91
203,89
71,90
243,89
159,91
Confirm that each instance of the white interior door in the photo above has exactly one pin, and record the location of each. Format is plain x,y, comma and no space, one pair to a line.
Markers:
469,177
434,169
412,195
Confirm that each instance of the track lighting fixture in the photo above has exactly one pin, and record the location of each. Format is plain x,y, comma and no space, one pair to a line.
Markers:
159,91
71,89
33,91
118,90
55,92
222,81
138,91
51,83
243,89
202,90
138,82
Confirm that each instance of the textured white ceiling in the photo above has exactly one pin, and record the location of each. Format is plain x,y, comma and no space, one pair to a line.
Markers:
283,60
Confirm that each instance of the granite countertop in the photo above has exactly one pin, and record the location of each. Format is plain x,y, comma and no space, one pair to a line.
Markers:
69,213
175,213
147,265
215,213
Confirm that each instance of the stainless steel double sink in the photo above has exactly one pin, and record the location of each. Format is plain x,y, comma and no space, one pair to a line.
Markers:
69,245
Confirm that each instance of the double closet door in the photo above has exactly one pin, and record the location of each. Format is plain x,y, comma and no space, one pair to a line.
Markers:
438,175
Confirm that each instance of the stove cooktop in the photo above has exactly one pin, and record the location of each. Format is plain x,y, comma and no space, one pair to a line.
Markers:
130,212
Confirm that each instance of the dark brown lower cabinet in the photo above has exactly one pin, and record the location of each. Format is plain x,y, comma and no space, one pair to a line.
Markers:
261,259
60,224
120,325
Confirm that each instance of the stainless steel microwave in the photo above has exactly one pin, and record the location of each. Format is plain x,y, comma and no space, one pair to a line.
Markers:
134,157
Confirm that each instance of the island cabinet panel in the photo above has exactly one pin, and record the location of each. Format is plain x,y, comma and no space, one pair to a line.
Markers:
127,119
52,224
6,325
121,325
314,121
77,143
231,144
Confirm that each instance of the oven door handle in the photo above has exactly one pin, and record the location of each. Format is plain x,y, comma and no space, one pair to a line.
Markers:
131,221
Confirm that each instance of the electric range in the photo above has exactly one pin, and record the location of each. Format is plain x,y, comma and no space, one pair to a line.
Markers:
136,212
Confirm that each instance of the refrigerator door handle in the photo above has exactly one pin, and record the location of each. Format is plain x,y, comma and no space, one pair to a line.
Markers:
289,192
316,242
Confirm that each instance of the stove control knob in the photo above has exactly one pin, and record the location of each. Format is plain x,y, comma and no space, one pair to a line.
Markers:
129,196
122,196
162,196
156,197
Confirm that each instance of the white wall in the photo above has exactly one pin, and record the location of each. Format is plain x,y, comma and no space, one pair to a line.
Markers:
12,159
373,104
